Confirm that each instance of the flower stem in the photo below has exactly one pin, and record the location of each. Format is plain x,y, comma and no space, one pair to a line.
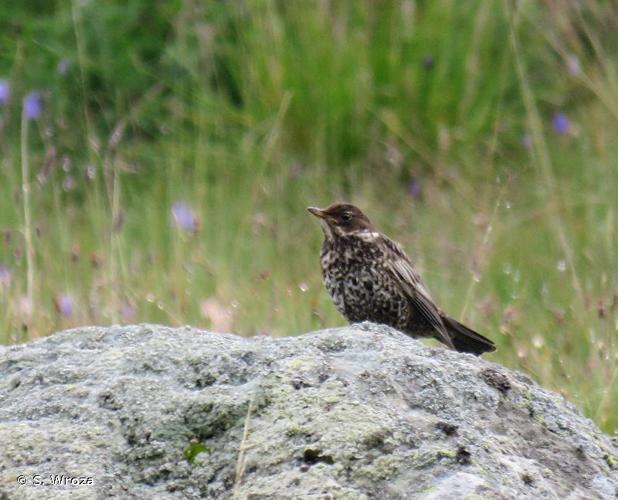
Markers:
27,230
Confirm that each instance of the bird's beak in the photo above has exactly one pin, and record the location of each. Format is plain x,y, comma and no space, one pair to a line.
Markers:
318,212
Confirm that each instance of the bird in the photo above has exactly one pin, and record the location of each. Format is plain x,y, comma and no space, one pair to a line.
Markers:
369,277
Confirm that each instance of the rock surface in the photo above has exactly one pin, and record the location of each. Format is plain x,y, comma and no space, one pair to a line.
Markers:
360,412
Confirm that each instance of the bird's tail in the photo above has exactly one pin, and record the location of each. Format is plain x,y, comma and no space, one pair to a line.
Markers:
466,340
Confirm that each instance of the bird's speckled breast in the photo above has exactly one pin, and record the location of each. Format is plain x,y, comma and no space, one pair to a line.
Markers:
356,278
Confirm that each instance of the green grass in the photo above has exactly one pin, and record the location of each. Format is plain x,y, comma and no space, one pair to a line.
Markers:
251,111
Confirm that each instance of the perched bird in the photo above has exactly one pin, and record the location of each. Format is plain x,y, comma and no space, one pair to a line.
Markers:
370,278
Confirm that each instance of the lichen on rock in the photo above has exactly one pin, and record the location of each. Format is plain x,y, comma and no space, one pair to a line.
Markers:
357,412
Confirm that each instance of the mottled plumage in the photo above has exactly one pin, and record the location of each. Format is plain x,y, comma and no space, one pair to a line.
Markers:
370,278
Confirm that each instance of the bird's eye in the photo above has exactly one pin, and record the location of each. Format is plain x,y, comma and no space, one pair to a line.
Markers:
346,217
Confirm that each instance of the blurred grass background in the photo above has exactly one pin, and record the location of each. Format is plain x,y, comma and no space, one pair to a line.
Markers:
157,157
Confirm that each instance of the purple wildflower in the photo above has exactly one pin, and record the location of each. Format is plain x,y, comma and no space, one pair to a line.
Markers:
428,62
526,141
127,311
573,66
561,123
33,105
415,188
5,92
5,276
63,66
184,216
64,305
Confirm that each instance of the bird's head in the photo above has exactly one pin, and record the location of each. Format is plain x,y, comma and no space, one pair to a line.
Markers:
341,219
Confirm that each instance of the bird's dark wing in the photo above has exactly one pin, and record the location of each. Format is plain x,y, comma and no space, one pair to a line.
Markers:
412,285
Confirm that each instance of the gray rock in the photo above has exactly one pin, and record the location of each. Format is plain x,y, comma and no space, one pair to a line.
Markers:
360,412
